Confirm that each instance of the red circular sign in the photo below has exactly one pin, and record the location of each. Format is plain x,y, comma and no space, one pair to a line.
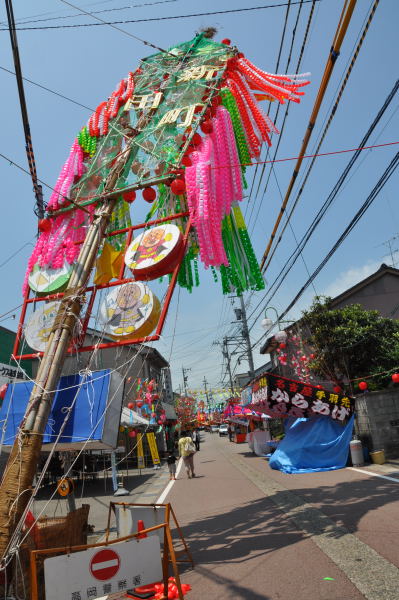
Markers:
105,564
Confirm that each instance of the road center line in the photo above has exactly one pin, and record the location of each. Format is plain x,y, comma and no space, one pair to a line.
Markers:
375,474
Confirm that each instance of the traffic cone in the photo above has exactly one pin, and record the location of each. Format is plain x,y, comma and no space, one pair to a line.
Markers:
141,527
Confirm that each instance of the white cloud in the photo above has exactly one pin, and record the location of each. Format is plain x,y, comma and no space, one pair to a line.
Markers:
351,277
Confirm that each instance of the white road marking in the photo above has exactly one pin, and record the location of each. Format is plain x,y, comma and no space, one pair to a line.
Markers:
375,474
170,484
105,564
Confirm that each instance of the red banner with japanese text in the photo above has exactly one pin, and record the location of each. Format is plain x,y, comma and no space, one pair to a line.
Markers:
281,397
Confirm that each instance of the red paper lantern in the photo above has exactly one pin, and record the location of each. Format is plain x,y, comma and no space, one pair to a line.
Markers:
283,345
337,389
129,196
226,41
149,194
206,126
178,187
130,405
363,385
44,225
132,434
395,377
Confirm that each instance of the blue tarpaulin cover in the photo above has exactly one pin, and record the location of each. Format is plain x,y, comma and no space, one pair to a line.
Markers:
309,445
87,419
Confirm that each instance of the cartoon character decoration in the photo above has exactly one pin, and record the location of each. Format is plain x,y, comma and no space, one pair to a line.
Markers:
39,325
155,252
130,311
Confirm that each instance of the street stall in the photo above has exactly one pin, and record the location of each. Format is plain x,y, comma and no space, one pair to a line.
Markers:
318,423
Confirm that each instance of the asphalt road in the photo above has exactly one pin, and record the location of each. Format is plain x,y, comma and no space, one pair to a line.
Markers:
259,534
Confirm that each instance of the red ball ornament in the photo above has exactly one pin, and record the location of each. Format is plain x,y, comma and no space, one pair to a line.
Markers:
303,358
149,194
196,139
153,415
319,387
186,161
139,403
363,385
337,389
44,225
130,405
132,434
130,196
178,187
395,377
226,41
311,356
282,345
206,127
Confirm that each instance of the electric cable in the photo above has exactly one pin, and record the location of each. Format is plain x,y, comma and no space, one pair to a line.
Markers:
150,19
327,126
43,87
23,20
339,37
276,70
389,171
289,263
135,37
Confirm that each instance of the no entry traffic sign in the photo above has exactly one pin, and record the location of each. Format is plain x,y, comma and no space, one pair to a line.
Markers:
105,564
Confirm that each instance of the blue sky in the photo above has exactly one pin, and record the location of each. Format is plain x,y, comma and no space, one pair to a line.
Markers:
86,63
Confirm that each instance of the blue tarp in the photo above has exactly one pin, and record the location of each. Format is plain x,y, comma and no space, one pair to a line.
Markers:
87,416
309,445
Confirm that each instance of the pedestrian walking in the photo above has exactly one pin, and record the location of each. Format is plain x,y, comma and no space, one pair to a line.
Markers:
231,431
187,451
171,460
197,438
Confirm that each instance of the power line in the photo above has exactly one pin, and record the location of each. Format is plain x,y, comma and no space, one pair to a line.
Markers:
339,37
101,22
389,171
43,87
289,263
149,19
23,20
327,126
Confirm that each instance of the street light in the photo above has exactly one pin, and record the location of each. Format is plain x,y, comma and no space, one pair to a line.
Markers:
268,323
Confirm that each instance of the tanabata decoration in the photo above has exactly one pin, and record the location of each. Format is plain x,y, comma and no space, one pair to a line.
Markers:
155,252
45,281
130,311
192,123
39,325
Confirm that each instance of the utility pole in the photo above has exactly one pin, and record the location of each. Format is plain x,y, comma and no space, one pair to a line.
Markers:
206,390
245,335
227,356
185,379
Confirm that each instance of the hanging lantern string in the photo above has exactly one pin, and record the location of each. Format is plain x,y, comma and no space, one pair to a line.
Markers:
122,189
389,371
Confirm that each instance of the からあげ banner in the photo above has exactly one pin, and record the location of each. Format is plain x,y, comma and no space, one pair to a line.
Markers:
281,397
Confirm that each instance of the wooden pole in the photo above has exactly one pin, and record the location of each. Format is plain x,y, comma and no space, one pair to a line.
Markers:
16,485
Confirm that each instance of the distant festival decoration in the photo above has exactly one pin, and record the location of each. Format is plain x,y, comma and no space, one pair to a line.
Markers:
155,252
130,311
